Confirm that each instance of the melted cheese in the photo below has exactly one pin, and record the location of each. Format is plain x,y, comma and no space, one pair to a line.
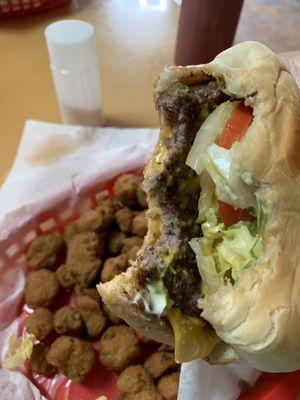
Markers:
156,163
155,166
154,229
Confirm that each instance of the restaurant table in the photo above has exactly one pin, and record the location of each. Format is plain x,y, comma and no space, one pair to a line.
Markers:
134,39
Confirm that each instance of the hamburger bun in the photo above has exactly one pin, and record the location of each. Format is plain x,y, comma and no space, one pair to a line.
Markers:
258,317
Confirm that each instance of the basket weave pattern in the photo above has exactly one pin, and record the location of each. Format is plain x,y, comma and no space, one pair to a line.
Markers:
10,8
13,248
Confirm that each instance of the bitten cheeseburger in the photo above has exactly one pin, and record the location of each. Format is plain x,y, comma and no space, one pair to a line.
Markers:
219,270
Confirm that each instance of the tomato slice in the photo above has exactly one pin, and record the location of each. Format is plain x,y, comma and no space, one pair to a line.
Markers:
236,126
231,216
234,130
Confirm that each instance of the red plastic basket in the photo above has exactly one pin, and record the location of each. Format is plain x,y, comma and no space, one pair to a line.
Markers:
9,8
12,253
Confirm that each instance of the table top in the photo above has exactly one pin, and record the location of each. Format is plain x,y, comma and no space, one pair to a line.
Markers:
124,32
134,38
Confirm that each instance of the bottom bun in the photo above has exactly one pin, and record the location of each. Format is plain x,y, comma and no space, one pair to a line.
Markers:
119,295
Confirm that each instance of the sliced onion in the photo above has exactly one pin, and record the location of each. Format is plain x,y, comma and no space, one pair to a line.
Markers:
208,134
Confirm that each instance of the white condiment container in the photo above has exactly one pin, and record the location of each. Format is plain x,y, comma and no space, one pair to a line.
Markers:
75,70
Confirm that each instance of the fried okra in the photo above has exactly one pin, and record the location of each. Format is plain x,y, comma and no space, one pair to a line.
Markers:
44,250
67,320
65,276
114,266
119,347
124,218
168,386
130,242
91,292
139,224
83,257
94,220
134,379
91,313
159,362
166,347
40,323
131,254
105,200
83,261
38,360
146,394
141,196
115,242
41,288
72,356
126,188
88,222
83,247
86,272
144,339
111,315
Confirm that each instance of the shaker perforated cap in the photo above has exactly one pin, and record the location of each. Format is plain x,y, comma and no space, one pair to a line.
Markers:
71,45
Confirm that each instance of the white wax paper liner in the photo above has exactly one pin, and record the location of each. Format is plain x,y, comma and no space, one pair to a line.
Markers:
33,188
201,381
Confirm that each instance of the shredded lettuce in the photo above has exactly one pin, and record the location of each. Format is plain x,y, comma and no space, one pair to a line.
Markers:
19,350
194,338
206,265
208,133
222,253
234,252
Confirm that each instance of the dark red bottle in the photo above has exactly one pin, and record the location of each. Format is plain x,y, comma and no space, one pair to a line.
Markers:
206,27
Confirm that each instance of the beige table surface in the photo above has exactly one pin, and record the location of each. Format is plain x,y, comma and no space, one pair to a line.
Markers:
135,39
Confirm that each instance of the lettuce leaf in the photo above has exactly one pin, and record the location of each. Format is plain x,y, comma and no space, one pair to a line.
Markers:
208,133
234,252
222,253
19,350
206,265
194,338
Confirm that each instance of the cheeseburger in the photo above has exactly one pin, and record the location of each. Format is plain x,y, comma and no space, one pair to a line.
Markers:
218,274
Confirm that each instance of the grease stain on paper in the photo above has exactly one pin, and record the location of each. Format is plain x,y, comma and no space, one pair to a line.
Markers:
53,148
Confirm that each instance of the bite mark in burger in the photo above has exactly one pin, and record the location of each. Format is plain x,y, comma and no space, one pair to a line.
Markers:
219,267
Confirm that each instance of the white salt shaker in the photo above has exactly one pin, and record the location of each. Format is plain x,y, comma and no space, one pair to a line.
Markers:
75,70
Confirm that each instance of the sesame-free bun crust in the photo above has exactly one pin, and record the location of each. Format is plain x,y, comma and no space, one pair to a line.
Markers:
260,315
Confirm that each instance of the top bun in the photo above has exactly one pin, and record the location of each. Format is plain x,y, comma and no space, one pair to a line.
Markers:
260,315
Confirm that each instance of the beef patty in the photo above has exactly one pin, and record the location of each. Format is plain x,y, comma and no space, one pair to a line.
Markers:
176,191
